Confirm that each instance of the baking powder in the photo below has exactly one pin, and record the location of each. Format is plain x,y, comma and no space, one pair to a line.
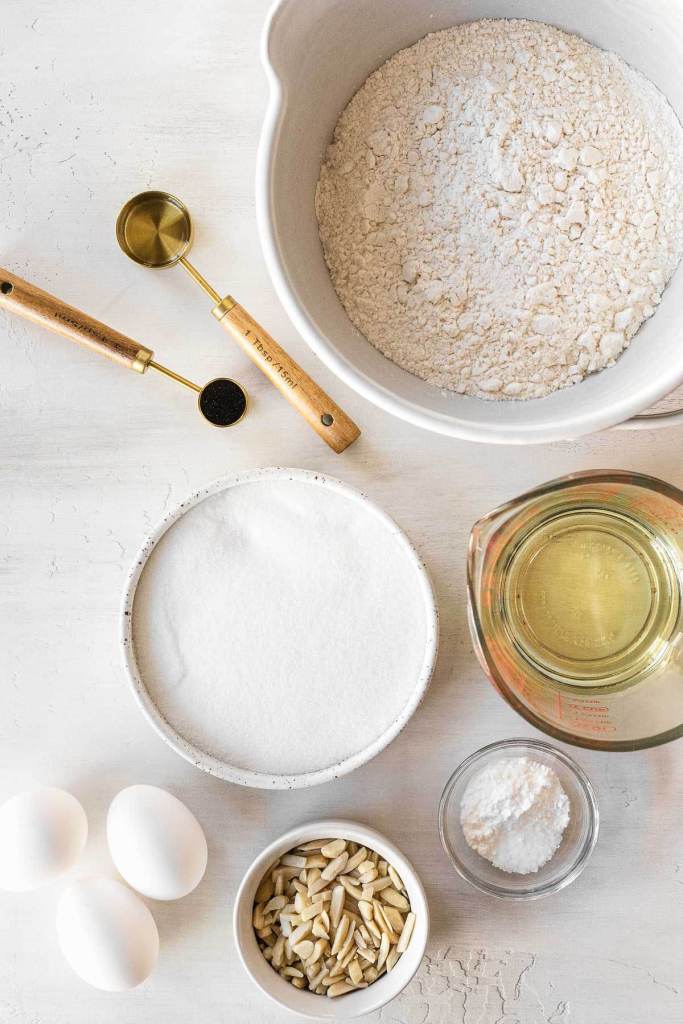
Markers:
514,813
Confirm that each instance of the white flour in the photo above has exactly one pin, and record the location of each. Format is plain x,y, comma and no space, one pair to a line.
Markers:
514,813
280,625
502,206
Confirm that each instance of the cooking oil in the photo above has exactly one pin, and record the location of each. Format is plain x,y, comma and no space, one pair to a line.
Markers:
589,596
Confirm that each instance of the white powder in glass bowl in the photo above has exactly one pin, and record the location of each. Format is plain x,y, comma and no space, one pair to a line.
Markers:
514,812
283,625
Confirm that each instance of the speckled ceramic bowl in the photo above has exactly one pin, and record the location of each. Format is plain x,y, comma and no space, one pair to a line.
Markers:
244,775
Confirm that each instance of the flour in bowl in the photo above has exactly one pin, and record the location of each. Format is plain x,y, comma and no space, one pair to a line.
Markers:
501,207
283,625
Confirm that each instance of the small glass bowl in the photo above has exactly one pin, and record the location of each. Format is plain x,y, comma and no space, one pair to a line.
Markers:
569,859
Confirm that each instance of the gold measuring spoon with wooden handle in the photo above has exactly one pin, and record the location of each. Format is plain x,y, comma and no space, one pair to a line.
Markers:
222,401
155,230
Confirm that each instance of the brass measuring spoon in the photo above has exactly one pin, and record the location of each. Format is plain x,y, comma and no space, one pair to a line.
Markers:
155,230
222,401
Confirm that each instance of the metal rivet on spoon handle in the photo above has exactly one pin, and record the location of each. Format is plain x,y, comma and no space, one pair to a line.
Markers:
222,402
155,230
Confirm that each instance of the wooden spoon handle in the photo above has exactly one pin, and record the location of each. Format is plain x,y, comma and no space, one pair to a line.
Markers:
24,299
317,408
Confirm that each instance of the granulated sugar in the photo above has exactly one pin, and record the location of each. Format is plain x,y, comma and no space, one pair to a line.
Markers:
502,206
281,625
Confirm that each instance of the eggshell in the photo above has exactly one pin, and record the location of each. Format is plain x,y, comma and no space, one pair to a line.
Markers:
42,835
107,934
156,843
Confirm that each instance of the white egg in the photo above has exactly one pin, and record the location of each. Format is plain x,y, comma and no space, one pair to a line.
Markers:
43,833
107,934
156,843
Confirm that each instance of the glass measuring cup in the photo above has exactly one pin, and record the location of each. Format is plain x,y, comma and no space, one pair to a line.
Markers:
576,609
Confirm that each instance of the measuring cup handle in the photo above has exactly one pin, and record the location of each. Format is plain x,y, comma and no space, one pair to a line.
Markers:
24,299
327,419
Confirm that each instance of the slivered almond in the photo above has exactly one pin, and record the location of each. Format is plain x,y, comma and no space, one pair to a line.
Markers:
304,949
384,948
335,867
348,942
395,877
293,860
392,958
366,909
316,860
301,901
340,934
334,849
379,884
368,877
316,886
394,899
406,934
312,910
279,951
337,905
291,972
355,971
395,919
299,933
332,979
357,858
347,958
317,953
350,886
265,890
339,989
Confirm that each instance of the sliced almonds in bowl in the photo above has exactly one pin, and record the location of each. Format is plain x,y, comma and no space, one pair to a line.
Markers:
331,916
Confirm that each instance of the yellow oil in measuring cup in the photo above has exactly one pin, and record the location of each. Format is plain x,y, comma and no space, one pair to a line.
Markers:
589,596
575,607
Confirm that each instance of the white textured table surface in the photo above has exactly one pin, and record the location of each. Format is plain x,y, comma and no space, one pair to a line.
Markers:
97,102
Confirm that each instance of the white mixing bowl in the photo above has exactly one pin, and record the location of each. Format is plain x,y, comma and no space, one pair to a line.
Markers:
317,53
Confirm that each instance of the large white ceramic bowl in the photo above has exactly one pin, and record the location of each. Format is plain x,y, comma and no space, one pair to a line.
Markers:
307,1004
317,53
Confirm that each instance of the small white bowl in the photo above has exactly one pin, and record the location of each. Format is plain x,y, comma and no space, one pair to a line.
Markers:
308,1004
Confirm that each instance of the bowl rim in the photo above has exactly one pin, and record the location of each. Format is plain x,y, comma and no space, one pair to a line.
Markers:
619,412
248,776
587,847
356,832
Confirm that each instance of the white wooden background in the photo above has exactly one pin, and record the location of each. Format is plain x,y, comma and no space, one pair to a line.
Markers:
98,101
